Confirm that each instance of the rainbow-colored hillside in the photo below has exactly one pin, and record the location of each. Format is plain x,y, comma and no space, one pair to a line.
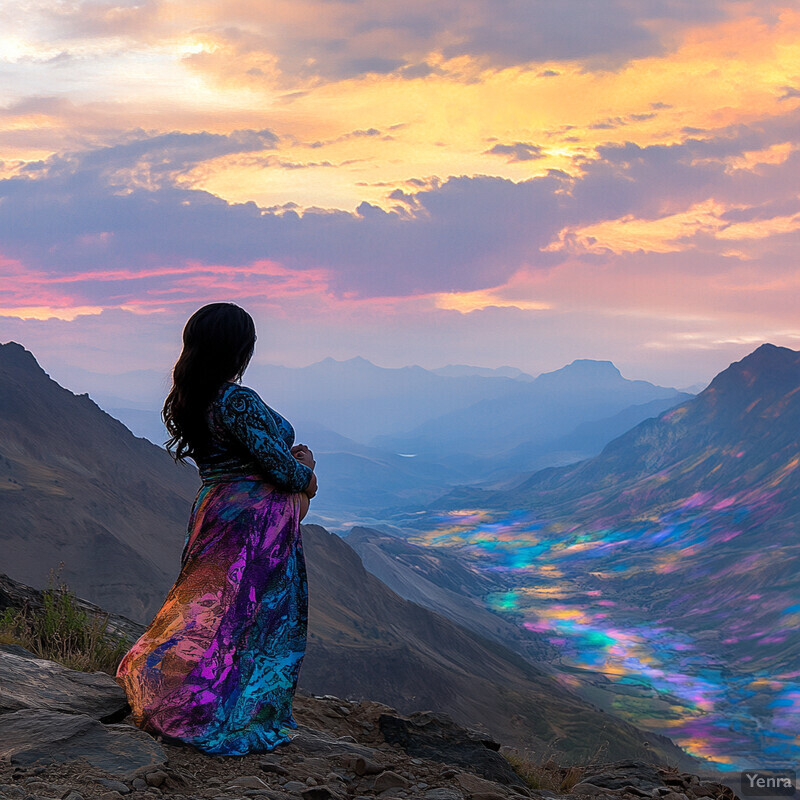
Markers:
667,569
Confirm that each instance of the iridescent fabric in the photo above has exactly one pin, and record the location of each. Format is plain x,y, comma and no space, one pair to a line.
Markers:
217,667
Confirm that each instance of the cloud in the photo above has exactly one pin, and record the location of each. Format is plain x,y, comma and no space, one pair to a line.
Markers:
302,40
126,209
519,151
161,158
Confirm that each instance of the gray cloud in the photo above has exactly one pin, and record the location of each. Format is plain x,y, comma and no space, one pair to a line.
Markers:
349,39
71,214
519,151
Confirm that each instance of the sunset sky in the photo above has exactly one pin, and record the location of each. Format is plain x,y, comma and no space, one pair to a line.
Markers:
490,182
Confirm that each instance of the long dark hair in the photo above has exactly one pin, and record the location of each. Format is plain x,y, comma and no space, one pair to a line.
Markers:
218,343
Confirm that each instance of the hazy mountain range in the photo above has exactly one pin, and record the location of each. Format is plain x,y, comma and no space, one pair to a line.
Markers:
391,438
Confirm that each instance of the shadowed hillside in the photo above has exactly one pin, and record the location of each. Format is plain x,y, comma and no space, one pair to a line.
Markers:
76,486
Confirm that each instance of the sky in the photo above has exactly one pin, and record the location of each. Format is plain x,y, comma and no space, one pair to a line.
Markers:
491,182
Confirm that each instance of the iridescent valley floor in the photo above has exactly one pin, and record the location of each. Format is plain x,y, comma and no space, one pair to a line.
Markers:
687,624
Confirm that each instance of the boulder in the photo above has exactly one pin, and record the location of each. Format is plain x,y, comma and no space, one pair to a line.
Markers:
31,682
319,743
38,736
637,775
16,595
435,735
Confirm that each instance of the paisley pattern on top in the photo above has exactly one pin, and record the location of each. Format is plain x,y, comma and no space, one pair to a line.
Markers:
248,436
217,668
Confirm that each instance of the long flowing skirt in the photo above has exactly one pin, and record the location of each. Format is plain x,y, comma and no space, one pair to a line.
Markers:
218,666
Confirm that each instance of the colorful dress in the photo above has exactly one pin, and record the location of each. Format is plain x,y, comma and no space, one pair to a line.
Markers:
217,667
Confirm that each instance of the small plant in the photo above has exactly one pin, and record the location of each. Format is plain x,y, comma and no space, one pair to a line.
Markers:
543,771
60,630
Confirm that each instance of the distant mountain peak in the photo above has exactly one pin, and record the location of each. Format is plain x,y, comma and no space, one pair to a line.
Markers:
769,354
594,366
583,369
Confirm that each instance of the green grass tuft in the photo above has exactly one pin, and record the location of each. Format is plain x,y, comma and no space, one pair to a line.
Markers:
62,631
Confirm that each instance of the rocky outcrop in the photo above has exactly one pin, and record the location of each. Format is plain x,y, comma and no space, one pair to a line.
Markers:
342,749
16,595
428,734
37,736
33,683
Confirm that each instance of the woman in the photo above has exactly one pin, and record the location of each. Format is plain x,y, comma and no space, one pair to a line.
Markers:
217,668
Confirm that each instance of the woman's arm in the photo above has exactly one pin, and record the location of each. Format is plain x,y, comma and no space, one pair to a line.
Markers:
246,417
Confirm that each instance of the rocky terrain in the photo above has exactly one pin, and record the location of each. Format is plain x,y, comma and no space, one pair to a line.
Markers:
66,735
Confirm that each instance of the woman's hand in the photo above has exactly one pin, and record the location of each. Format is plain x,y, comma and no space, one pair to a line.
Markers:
304,455
311,489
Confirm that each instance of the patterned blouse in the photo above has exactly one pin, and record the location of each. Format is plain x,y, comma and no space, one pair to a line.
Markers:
248,437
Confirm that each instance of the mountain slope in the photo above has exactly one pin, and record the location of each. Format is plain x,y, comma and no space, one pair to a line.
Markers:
437,579
667,568
76,486
741,432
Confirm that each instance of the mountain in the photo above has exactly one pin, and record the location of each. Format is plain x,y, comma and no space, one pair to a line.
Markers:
739,434
76,486
584,441
534,413
355,398
674,559
79,488
359,399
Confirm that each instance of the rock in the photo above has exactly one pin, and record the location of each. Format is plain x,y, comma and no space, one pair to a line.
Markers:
116,786
443,793
319,743
294,786
17,650
316,764
247,782
584,789
366,766
428,734
73,795
34,736
705,789
30,682
388,779
636,776
475,787
320,793
273,767
139,784
156,778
